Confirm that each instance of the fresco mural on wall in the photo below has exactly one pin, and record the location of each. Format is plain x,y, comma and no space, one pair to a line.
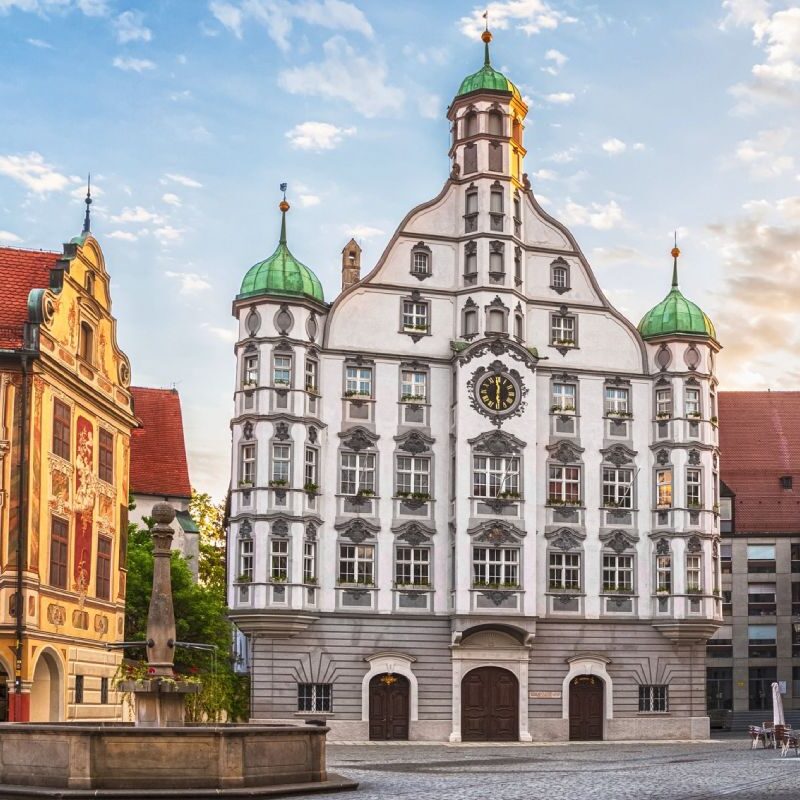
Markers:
84,505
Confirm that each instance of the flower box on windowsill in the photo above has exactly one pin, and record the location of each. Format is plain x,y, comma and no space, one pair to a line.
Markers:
313,390
663,592
619,414
250,385
368,493
694,506
613,505
311,489
664,507
413,587
694,590
557,502
278,484
506,586
563,343
244,579
312,581
694,415
245,484
416,328
355,585
663,415
422,497
280,384
563,410
417,399
612,590
561,588
278,578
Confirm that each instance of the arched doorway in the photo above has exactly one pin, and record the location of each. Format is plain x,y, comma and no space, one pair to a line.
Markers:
46,691
388,707
489,706
586,708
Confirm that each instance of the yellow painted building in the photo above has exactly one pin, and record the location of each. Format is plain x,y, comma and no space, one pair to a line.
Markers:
65,424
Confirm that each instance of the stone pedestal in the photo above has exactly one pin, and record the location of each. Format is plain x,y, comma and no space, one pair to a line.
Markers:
159,703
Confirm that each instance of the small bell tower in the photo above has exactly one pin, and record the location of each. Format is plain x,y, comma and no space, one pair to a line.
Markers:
351,264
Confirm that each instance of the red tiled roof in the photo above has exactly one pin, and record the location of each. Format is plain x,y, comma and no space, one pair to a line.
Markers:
20,271
759,434
158,451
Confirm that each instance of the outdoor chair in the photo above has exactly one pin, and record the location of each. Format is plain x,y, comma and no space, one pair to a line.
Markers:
778,736
755,736
790,742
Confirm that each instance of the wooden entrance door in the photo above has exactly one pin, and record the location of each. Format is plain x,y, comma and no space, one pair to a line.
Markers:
586,708
489,706
388,707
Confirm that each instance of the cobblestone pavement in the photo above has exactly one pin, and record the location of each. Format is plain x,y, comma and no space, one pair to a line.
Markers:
725,768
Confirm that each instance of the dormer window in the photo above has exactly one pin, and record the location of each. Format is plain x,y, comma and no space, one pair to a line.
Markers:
559,276
87,343
421,261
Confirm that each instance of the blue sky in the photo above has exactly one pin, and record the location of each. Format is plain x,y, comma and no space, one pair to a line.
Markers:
645,117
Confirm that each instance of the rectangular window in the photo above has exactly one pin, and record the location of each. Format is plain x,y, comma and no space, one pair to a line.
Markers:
694,574
415,316
617,487
564,571
311,470
719,689
309,561
761,599
760,680
312,373
761,558
414,385
358,473
617,573
663,403
104,691
762,641
105,456
281,370
357,563
692,402
247,467
419,263
358,382
726,509
279,560
103,580
246,559
413,475
496,264
559,277
564,397
412,566
471,204
250,370
59,549
78,689
564,485
495,476
726,558
664,488
495,567
61,429
470,262
720,645
496,201
562,330
617,400
664,574
693,495
654,698
281,464
314,697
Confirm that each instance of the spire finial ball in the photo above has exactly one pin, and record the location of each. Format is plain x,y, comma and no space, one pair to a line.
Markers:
283,206
486,37
163,513
675,252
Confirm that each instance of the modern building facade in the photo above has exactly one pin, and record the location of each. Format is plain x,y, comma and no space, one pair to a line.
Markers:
65,423
470,500
760,559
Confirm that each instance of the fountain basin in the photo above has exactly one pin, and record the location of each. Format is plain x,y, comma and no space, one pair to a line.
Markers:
82,761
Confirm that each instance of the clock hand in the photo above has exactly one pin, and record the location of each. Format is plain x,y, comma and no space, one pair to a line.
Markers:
497,391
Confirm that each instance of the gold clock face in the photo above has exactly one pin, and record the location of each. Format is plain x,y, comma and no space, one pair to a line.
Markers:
498,393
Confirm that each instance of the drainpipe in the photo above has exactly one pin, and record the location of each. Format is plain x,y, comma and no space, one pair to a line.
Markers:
21,534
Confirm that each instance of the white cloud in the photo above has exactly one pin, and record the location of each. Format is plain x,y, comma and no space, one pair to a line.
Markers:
34,173
763,153
529,16
429,105
616,255
168,235
598,216
744,12
39,43
171,199
136,214
79,192
91,8
614,147
640,146
357,78
545,175
185,94
9,238
361,231
183,180
125,236
308,200
563,156
317,136
229,15
133,64
191,282
129,27
560,98
558,60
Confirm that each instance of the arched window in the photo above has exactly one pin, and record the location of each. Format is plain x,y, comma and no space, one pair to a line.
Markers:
471,124
470,322
559,276
90,283
495,123
421,260
87,343
518,329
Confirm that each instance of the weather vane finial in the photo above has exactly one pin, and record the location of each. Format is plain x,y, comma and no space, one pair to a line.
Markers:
675,253
284,207
88,201
486,37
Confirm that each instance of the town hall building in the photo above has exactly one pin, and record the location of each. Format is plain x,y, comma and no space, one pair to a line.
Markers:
469,499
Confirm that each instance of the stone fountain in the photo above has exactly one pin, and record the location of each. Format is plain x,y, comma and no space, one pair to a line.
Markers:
159,755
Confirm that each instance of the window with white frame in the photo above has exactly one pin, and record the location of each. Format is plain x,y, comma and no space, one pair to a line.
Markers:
564,571
357,564
617,572
312,375
663,403
246,559
420,262
691,402
617,487
358,382
281,464
559,277
415,316
357,473
413,475
495,567
414,385
247,465
311,469
412,566
664,573
564,484
617,400
281,370
279,560
693,494
693,572
309,561
250,370
653,698
562,330
495,476
664,488
314,697
564,396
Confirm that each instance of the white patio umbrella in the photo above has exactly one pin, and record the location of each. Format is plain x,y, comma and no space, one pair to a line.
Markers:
777,705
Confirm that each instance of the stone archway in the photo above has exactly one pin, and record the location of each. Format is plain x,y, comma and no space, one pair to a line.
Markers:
582,666
489,705
47,690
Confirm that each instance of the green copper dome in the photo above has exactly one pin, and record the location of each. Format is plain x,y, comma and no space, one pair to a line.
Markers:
281,273
487,78
676,314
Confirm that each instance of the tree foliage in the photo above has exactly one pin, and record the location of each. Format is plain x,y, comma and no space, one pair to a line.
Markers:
209,519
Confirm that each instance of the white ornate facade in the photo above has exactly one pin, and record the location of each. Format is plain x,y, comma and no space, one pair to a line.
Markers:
471,474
